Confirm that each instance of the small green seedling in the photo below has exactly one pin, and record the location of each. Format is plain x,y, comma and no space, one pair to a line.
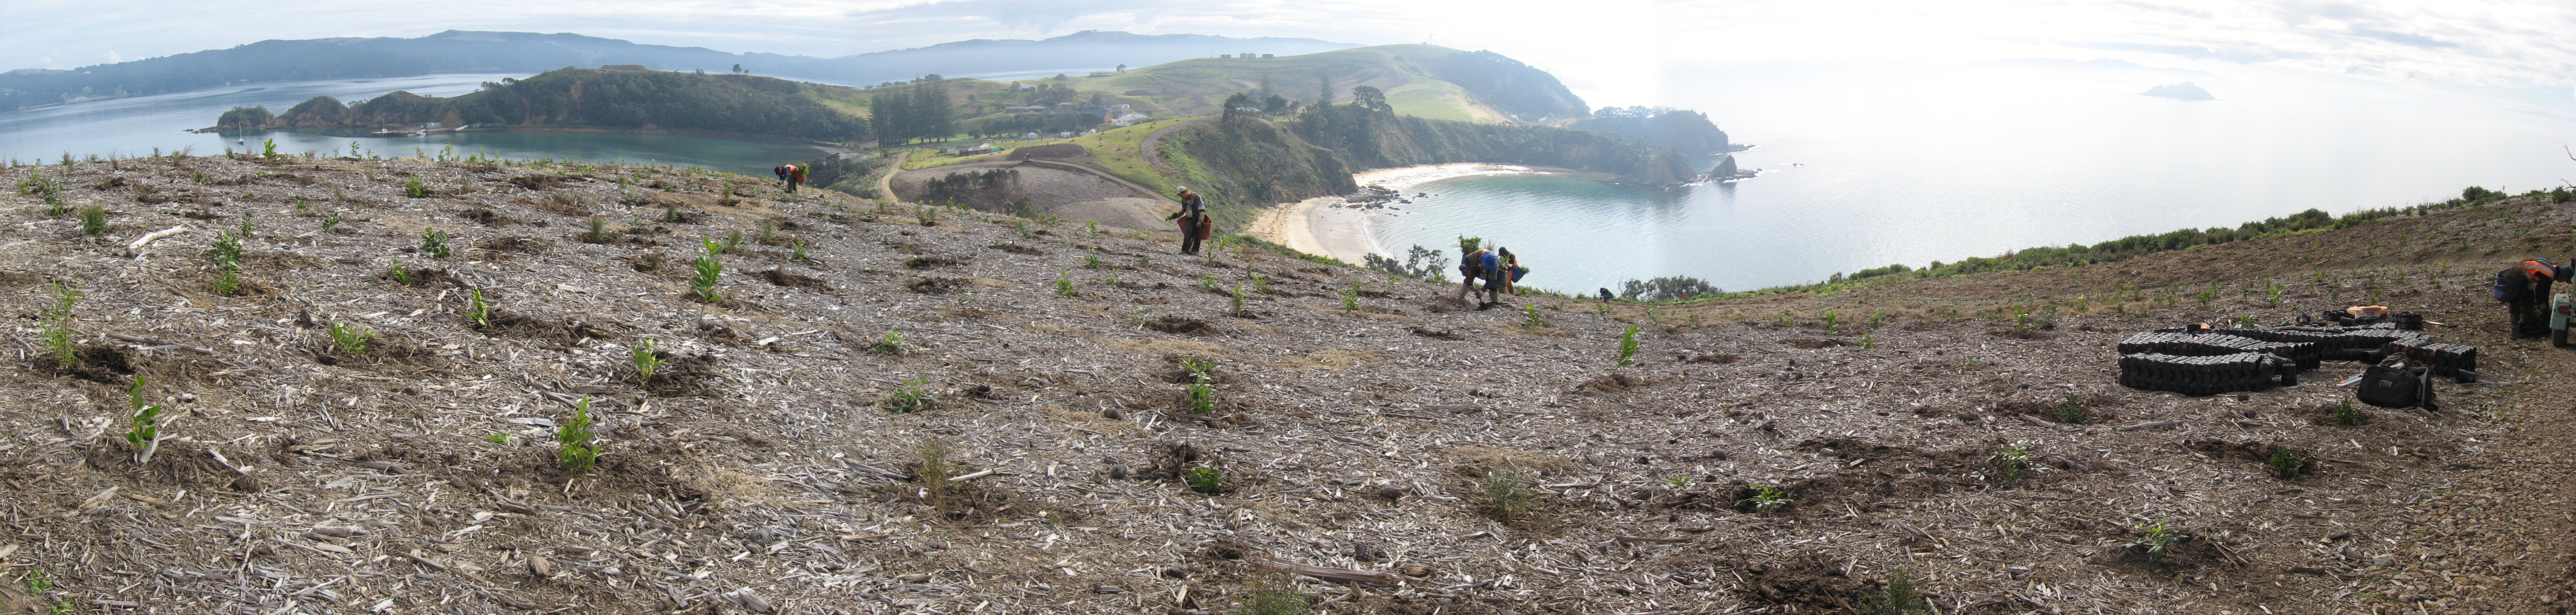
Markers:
1203,479
396,273
1238,301
227,283
268,149
1091,261
1351,299
911,396
1867,342
1260,283
1628,346
1202,398
2155,540
330,221
1505,494
477,310
350,339
645,361
57,324
1207,281
1064,283
1679,483
580,450
93,220
1766,498
892,343
497,438
2072,412
434,243
2012,462
796,251
2286,464
412,188
2345,414
143,424
935,469
709,269
928,215
227,251
1531,318
1093,226
598,229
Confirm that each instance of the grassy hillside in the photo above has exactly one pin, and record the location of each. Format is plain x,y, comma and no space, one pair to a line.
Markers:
1417,79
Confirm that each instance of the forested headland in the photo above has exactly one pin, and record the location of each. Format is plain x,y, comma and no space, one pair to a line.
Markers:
587,98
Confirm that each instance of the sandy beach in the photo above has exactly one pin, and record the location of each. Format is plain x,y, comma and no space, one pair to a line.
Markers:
1322,226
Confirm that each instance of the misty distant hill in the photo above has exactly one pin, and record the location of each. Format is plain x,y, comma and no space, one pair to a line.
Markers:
465,51
2179,91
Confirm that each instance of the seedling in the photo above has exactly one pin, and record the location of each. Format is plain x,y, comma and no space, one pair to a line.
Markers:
396,273
1505,494
2155,540
476,309
1351,299
732,242
434,243
350,339
1899,598
645,361
1238,301
1112,280
1091,261
1833,322
580,450
1093,226
1198,369
2012,462
143,423
892,343
1273,594
598,229
1022,228
1260,284
1628,346
1064,283
796,251
1532,319
934,471
1205,480
2205,297
671,213
58,322
911,396
928,215
1767,498
1679,483
246,228
1868,343
2345,414
330,220
2072,411
2286,464
412,188
1202,398
1139,318
93,220
709,269
1207,281
497,438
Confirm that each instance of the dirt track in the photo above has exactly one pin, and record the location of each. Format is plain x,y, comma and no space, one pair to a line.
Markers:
420,475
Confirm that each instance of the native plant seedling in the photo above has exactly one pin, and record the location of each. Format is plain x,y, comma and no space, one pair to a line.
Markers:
1628,346
934,470
796,251
1207,281
2011,462
1679,483
928,215
330,221
1505,494
892,343
497,438
350,339
1139,318
1238,301
93,220
2155,540
227,251
1531,318
645,361
1092,226
1767,498
708,268
1204,479
1064,283
598,229
911,396
227,283
412,188
58,322
580,450
1202,398
395,272
671,213
2286,464
1091,261
1868,343
143,423
1260,283
1274,594
1898,598
2072,412
476,309
434,243
2346,415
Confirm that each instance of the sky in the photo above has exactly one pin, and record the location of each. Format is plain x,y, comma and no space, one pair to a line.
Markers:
1615,52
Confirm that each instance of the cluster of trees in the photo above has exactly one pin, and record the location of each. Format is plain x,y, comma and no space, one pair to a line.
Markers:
739,104
1667,288
1686,131
1420,263
916,111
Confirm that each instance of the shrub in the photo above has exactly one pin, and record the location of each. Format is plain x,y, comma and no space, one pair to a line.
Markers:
350,339
1351,299
143,429
598,230
2346,415
1238,301
1202,398
2155,540
1628,346
1505,494
580,450
57,324
1204,479
434,243
645,361
1899,596
911,396
934,470
2286,464
93,220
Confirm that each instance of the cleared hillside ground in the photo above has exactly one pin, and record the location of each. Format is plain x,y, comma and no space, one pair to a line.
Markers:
1379,442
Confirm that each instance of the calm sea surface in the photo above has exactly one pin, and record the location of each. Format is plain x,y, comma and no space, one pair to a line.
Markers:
1979,161
134,126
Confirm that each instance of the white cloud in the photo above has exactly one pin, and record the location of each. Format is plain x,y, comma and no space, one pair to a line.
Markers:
112,58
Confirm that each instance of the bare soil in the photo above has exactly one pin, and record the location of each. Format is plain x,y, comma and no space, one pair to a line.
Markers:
765,463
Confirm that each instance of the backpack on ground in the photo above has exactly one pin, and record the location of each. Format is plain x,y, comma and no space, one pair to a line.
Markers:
2396,387
2508,285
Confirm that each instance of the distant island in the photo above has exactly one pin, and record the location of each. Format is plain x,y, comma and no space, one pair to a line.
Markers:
2180,91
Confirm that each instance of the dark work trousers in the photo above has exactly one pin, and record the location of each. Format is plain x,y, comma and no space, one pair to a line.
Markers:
2530,314
1189,234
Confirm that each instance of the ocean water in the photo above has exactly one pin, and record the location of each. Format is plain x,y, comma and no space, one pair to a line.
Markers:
135,126
1979,160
